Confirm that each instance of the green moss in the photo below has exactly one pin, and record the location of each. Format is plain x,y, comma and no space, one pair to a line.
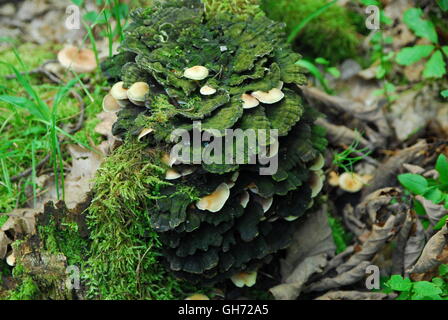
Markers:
125,253
64,239
331,35
27,290
238,7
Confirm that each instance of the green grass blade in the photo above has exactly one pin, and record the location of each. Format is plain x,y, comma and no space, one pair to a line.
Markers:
296,30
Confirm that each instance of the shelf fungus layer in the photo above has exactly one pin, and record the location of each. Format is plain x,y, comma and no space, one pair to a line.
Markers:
218,219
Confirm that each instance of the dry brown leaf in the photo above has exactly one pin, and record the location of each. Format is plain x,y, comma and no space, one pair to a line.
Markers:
344,279
414,246
4,242
312,245
435,212
386,174
355,295
375,242
430,255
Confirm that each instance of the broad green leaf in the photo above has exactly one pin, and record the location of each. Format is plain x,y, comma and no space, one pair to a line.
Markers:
90,16
444,93
78,2
411,55
441,223
443,4
426,289
442,168
334,72
434,195
443,269
422,28
397,283
414,183
435,67
311,67
419,208
322,61
445,50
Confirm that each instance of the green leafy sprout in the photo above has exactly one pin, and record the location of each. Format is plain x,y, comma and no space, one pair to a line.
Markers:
350,156
436,289
318,69
435,190
435,66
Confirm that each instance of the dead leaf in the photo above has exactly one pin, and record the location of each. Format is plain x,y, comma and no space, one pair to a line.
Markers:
355,295
429,258
386,174
375,242
344,279
435,212
312,245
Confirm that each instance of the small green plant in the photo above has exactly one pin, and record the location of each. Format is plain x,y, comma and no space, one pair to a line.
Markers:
443,4
340,236
435,66
43,114
435,190
112,10
350,156
444,93
318,69
436,289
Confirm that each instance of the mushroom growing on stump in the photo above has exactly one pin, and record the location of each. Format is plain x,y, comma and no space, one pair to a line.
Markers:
120,94
351,182
137,93
110,104
272,96
79,60
196,73
224,218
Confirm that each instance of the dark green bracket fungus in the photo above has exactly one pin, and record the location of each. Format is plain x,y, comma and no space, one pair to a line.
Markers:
228,71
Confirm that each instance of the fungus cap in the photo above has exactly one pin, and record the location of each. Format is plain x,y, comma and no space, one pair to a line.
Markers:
333,179
172,174
215,201
79,60
137,93
316,182
118,92
242,279
272,96
265,203
196,73
249,101
351,182
207,91
11,259
244,200
318,163
110,104
144,133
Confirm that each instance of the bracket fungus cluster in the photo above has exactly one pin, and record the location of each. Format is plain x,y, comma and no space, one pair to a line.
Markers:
175,66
